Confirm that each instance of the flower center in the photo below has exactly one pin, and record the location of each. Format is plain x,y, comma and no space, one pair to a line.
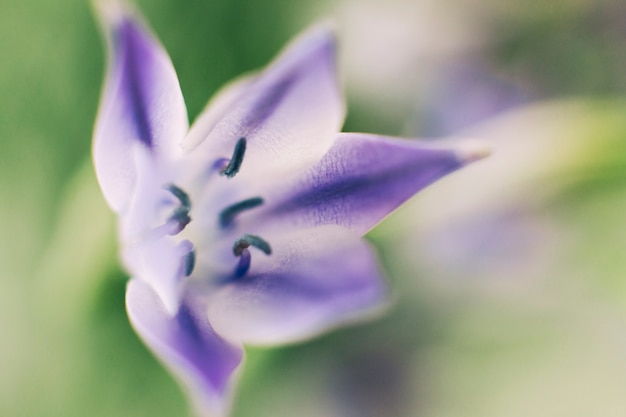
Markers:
180,217
227,216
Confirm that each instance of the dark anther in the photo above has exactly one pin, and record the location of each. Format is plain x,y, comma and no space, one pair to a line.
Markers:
245,241
189,262
181,213
182,196
182,219
235,162
240,249
229,213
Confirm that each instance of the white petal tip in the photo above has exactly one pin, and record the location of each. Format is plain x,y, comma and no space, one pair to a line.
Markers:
111,12
471,151
319,38
324,29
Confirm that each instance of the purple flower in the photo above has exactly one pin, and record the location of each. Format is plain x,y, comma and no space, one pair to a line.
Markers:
246,228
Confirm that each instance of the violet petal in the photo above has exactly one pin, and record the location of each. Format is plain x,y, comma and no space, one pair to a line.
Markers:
142,106
314,280
187,345
288,114
361,180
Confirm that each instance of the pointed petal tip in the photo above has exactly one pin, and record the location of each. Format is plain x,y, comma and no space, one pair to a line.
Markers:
119,18
323,33
325,36
320,39
111,13
472,151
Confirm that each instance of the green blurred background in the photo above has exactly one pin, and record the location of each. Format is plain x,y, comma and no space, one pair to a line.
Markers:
509,276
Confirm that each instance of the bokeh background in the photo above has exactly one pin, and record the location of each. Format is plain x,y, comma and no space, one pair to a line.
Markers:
509,276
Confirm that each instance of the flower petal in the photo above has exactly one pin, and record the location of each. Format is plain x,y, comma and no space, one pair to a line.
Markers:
361,180
288,114
159,263
313,280
187,345
142,105
217,107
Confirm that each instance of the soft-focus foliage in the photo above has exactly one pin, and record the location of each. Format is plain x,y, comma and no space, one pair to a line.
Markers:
511,299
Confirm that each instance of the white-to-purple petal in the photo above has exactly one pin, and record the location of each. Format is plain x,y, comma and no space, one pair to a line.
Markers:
187,344
314,280
361,180
288,114
142,106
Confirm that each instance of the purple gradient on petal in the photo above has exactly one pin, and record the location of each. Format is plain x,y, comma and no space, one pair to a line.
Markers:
289,113
269,102
202,346
316,280
142,108
186,343
362,179
273,87
134,53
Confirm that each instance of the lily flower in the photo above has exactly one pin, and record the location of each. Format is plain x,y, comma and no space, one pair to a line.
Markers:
247,227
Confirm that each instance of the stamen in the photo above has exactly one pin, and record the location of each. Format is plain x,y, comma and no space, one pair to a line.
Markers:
189,262
181,213
235,162
244,263
182,219
240,248
170,228
188,256
246,241
227,216
182,196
